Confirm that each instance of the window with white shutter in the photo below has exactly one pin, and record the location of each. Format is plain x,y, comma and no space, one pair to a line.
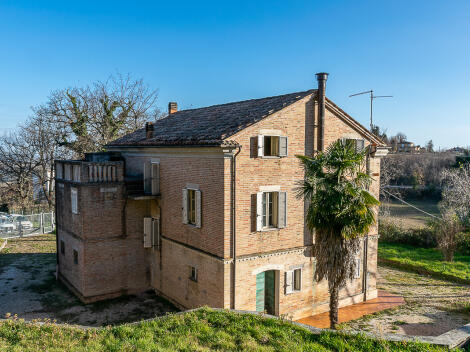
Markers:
282,146
184,206
74,200
147,232
271,210
192,212
293,280
260,146
155,175
198,209
272,146
147,178
288,282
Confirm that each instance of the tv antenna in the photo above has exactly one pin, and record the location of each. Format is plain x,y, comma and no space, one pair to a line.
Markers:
372,97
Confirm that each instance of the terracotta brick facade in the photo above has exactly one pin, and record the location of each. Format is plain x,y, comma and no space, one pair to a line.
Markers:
108,231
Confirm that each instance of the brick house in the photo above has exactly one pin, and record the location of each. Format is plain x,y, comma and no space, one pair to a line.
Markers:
201,207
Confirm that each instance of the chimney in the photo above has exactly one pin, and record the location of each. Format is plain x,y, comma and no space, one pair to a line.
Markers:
321,78
172,107
148,130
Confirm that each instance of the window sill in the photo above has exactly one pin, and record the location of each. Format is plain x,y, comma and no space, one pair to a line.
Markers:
272,157
267,229
193,280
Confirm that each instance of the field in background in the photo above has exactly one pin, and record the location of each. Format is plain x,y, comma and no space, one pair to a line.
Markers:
406,216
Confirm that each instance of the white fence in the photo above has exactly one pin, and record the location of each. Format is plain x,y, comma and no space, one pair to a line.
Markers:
16,225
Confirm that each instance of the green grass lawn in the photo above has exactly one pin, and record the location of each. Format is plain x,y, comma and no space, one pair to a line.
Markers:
408,216
428,260
201,330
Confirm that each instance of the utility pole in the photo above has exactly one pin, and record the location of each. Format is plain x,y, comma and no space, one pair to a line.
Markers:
372,97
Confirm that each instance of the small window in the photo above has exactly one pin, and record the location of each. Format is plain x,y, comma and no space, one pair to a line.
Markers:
74,200
272,146
357,143
297,279
192,206
59,171
62,247
75,257
193,274
270,209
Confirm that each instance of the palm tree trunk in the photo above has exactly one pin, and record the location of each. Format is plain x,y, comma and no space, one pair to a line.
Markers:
333,306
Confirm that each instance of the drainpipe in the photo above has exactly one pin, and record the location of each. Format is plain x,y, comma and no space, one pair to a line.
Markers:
233,215
366,242
321,78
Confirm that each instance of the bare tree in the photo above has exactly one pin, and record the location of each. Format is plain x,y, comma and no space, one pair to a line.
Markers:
456,192
430,146
17,164
44,141
448,233
90,117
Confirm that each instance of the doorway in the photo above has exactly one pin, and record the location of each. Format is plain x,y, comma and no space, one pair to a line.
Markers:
267,287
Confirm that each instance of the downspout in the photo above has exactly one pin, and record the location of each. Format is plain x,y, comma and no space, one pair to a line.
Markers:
366,240
233,214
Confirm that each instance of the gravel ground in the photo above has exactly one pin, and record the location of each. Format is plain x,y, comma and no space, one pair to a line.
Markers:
29,289
432,307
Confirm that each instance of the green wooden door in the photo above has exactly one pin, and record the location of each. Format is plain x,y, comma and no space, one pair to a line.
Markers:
269,292
260,283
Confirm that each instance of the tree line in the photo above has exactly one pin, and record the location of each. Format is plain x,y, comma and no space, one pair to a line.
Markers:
73,121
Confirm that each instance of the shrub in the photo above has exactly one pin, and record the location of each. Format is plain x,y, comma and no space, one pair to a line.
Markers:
420,237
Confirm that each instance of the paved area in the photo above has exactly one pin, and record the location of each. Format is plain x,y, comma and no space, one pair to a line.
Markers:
432,307
384,301
29,289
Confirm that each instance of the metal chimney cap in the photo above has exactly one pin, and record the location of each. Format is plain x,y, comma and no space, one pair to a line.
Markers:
322,76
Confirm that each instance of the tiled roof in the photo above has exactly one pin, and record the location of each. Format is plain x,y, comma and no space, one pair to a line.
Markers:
211,125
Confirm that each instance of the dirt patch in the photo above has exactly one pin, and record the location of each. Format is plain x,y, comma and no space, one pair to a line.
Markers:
29,289
432,307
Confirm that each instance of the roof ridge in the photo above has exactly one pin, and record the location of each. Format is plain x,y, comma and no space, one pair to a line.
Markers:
246,100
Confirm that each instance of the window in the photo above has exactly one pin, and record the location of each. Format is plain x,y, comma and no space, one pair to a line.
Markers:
297,279
74,200
357,273
151,233
192,207
75,257
193,274
293,280
272,146
67,172
271,210
76,173
357,143
62,247
152,178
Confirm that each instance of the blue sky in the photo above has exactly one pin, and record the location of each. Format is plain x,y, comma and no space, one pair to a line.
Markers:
207,52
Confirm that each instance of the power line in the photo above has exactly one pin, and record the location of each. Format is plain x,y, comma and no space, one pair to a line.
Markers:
411,205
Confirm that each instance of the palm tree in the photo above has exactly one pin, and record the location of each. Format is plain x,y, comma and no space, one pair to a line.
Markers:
340,212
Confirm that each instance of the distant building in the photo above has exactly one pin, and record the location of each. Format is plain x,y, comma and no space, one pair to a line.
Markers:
409,147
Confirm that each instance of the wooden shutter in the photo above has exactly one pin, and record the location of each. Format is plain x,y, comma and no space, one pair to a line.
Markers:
198,209
260,146
282,146
147,232
185,206
156,233
147,177
155,178
282,212
259,211
288,281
